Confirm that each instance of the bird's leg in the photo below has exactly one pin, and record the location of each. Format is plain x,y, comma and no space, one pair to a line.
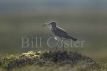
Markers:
63,44
57,45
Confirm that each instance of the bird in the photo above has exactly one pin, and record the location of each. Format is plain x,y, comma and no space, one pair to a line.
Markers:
59,33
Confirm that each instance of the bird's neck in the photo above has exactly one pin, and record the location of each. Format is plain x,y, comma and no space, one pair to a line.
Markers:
53,26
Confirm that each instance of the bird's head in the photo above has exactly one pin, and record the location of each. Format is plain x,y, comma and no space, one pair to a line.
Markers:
53,24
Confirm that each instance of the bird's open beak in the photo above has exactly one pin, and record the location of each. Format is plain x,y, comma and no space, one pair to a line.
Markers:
45,24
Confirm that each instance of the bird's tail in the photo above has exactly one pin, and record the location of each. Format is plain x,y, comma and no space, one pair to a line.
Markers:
74,39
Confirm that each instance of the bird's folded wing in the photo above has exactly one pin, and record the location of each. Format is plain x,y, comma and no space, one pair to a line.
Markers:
61,33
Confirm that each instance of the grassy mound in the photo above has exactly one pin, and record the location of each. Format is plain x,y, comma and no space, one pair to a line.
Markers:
46,58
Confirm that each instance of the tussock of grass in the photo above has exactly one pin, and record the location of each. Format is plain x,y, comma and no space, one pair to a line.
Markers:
47,58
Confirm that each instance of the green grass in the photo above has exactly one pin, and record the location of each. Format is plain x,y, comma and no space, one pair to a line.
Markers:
88,26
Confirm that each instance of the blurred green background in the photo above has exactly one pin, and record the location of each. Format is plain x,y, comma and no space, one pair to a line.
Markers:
83,19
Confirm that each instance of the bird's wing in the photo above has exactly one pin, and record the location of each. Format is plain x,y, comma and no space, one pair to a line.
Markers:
61,33
60,28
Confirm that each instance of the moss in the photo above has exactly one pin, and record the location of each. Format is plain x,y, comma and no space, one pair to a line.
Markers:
46,58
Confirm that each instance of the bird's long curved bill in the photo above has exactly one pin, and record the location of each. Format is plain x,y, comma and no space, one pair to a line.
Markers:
44,24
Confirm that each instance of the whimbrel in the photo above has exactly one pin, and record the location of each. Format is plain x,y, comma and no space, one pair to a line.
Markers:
59,33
